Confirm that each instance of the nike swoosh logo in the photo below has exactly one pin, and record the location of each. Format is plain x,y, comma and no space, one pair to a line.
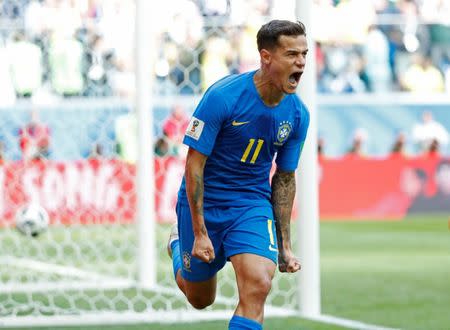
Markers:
239,123
272,249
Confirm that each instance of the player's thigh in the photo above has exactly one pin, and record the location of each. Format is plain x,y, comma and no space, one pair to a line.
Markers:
252,231
254,275
251,245
201,294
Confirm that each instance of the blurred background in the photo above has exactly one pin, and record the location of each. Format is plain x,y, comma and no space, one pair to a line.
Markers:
68,141
383,80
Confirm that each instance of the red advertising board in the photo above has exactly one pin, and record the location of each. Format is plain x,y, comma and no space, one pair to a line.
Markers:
88,191
103,191
388,188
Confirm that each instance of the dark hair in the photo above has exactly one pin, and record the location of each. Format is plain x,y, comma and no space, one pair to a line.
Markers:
268,34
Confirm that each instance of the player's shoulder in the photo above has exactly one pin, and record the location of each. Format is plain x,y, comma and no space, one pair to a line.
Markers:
299,105
230,87
300,109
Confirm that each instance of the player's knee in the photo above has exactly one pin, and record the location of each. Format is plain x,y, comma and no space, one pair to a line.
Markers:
200,302
258,289
264,285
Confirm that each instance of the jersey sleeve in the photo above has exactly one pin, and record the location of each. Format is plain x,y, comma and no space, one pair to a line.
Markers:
289,155
206,122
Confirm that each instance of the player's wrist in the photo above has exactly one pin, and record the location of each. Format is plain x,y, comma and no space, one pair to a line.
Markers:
200,235
285,248
200,230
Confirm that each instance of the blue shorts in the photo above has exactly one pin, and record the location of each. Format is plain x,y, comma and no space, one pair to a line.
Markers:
232,230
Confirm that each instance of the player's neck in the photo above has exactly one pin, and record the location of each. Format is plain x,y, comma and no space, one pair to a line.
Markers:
268,92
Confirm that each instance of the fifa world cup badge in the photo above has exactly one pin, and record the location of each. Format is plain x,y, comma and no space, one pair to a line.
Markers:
194,125
195,128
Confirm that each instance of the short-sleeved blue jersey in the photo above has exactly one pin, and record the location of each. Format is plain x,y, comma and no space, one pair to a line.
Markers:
241,136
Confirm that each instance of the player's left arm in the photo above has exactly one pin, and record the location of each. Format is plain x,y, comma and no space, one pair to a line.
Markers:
283,193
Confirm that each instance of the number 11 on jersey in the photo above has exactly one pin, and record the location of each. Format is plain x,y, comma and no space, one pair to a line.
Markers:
249,148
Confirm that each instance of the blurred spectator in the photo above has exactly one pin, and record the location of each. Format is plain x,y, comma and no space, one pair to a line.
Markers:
435,197
7,92
184,34
422,76
344,72
35,19
174,128
175,124
99,65
319,57
186,23
65,61
113,16
97,151
393,32
321,147
12,9
62,16
447,77
433,150
413,183
215,60
162,146
219,8
436,15
427,131
125,129
398,147
376,56
247,54
359,139
25,65
362,13
34,138
324,11
410,13
202,40
442,178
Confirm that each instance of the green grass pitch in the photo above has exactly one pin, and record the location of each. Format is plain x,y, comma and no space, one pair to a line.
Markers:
393,274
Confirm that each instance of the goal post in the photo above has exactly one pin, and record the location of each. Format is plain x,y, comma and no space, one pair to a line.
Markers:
144,55
308,188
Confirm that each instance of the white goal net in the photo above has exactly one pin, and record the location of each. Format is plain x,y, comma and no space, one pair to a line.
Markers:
68,142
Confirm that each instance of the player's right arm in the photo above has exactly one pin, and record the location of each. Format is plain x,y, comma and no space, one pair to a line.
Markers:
195,165
201,134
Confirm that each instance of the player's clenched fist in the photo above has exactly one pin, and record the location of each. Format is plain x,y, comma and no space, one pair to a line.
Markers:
288,263
203,249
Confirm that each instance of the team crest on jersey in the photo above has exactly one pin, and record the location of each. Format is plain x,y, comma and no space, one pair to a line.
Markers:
284,130
187,261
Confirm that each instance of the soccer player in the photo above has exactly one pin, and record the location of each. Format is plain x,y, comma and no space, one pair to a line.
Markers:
227,210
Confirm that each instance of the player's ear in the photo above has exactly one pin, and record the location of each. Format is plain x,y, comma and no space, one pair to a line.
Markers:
266,56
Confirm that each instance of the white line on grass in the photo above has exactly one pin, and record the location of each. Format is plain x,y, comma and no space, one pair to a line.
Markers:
93,279
45,267
351,324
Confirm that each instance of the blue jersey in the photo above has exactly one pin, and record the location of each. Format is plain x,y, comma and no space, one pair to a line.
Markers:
241,136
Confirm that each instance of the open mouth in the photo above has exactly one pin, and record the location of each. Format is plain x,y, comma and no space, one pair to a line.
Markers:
295,77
